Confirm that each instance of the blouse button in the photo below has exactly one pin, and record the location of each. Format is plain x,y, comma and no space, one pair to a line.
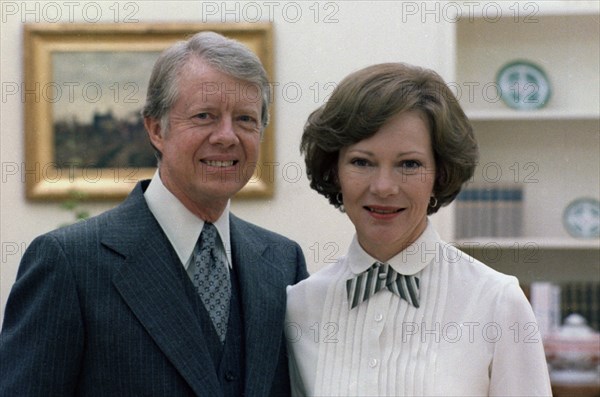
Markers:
379,317
373,362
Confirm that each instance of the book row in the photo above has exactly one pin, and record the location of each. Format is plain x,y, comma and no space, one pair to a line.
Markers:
489,212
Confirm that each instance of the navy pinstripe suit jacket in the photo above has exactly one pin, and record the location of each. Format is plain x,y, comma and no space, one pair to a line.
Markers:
98,309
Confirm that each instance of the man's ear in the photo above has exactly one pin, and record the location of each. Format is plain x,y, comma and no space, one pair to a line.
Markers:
155,133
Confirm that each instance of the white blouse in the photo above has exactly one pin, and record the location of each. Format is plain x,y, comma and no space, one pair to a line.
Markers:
474,333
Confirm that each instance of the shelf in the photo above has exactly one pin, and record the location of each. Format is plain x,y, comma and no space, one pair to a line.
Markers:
566,47
528,242
560,390
529,11
542,114
554,163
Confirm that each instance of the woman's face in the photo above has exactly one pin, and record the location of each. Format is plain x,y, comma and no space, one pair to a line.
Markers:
387,181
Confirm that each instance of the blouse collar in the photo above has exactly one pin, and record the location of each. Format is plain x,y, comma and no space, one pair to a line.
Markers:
410,261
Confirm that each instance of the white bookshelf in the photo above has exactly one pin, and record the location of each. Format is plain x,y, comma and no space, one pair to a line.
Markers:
553,152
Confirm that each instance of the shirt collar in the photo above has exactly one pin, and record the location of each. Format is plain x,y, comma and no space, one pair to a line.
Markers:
181,226
410,261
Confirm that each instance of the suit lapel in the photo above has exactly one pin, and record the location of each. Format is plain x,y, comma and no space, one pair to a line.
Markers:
263,300
150,283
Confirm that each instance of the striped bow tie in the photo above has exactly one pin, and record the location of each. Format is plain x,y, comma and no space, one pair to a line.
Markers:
377,277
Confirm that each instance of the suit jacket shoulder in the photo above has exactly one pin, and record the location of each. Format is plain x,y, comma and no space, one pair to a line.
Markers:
98,308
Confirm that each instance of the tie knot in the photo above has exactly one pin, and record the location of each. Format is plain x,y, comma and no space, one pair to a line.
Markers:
382,269
208,237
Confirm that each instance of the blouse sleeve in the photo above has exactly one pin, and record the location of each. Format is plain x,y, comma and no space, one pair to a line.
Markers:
519,365
291,327
295,378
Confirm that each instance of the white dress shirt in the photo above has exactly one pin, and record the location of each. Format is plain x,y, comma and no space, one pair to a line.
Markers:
474,333
182,227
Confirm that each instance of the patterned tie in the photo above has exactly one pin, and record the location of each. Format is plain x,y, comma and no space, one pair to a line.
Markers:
211,279
377,277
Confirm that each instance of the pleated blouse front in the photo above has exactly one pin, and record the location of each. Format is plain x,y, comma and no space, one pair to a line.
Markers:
473,333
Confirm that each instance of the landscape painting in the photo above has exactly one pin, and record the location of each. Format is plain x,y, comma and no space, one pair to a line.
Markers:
103,128
84,89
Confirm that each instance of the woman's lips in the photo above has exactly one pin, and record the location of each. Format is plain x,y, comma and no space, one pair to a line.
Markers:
381,212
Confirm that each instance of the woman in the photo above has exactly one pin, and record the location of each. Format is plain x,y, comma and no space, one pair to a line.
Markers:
403,313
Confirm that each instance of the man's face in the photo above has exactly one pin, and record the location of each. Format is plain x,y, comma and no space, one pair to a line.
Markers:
210,149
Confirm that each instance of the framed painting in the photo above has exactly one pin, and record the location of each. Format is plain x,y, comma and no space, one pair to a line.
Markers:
84,88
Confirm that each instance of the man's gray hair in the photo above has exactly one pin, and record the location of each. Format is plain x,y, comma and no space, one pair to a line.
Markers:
223,54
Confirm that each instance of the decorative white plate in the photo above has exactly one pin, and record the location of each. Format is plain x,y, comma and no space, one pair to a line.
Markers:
523,85
582,218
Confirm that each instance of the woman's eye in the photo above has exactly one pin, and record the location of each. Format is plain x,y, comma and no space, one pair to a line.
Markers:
359,162
410,165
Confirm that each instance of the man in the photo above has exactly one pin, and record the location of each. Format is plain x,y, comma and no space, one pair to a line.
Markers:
117,305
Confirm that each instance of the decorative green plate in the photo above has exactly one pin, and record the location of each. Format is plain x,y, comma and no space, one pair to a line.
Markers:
523,85
582,218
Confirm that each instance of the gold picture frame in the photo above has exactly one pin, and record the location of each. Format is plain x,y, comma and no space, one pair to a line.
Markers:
83,89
